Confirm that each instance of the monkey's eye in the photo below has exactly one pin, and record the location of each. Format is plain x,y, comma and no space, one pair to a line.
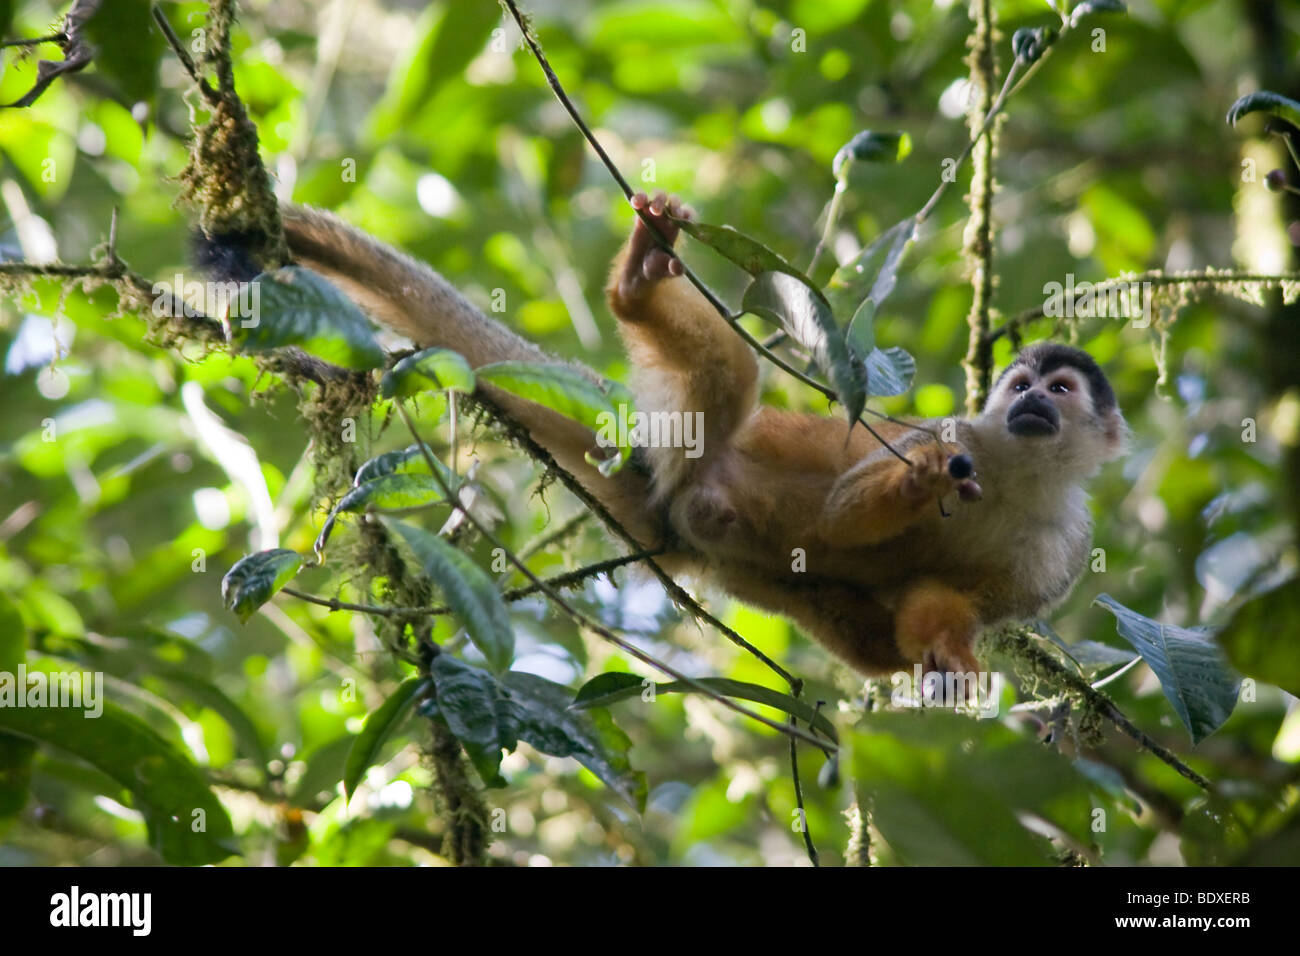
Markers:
1020,386
1060,388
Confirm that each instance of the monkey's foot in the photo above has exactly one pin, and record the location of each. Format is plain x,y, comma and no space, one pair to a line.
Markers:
647,261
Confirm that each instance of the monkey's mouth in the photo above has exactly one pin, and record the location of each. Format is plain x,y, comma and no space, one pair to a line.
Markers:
1032,416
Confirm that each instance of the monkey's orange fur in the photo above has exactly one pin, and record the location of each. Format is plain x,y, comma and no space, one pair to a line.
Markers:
793,512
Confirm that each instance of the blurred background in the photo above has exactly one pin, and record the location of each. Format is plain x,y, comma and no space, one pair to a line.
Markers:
427,125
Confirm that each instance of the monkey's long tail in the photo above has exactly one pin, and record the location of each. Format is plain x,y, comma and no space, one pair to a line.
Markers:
413,300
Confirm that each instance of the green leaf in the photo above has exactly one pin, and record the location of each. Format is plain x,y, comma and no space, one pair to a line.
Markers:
431,369
1253,638
378,727
890,371
299,307
477,709
560,388
1191,667
946,790
609,687
254,578
469,591
400,490
613,686
1263,101
489,716
871,146
166,786
874,273
408,460
750,254
565,390
393,491
801,310
589,736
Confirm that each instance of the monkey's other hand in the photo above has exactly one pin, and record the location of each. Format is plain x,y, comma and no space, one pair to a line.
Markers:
936,471
647,262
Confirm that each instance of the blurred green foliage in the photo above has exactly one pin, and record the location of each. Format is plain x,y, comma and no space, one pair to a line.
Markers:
123,501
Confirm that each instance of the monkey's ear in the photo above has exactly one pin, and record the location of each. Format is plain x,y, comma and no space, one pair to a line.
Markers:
1117,434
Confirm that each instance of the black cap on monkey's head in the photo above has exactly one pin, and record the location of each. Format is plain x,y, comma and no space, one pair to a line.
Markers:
1046,357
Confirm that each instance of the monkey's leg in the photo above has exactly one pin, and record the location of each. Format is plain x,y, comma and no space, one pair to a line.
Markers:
881,496
689,361
937,625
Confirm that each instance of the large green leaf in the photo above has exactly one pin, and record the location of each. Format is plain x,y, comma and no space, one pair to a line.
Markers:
561,388
429,369
566,390
1191,667
607,688
590,736
187,824
476,708
378,727
489,716
874,273
470,593
947,790
299,307
800,309
254,578
1260,639
750,254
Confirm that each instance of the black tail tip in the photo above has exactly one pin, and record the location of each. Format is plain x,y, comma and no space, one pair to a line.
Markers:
225,256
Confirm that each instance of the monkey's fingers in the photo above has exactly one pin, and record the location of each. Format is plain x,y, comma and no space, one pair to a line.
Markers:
659,264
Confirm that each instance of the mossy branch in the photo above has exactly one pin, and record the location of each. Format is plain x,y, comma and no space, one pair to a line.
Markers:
1022,644
1189,287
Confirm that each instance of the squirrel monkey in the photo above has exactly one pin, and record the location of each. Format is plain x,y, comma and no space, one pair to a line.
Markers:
885,562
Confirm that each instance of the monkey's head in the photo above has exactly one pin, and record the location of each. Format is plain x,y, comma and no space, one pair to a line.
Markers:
1055,400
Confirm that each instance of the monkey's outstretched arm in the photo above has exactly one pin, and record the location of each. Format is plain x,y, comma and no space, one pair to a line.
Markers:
882,496
688,359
